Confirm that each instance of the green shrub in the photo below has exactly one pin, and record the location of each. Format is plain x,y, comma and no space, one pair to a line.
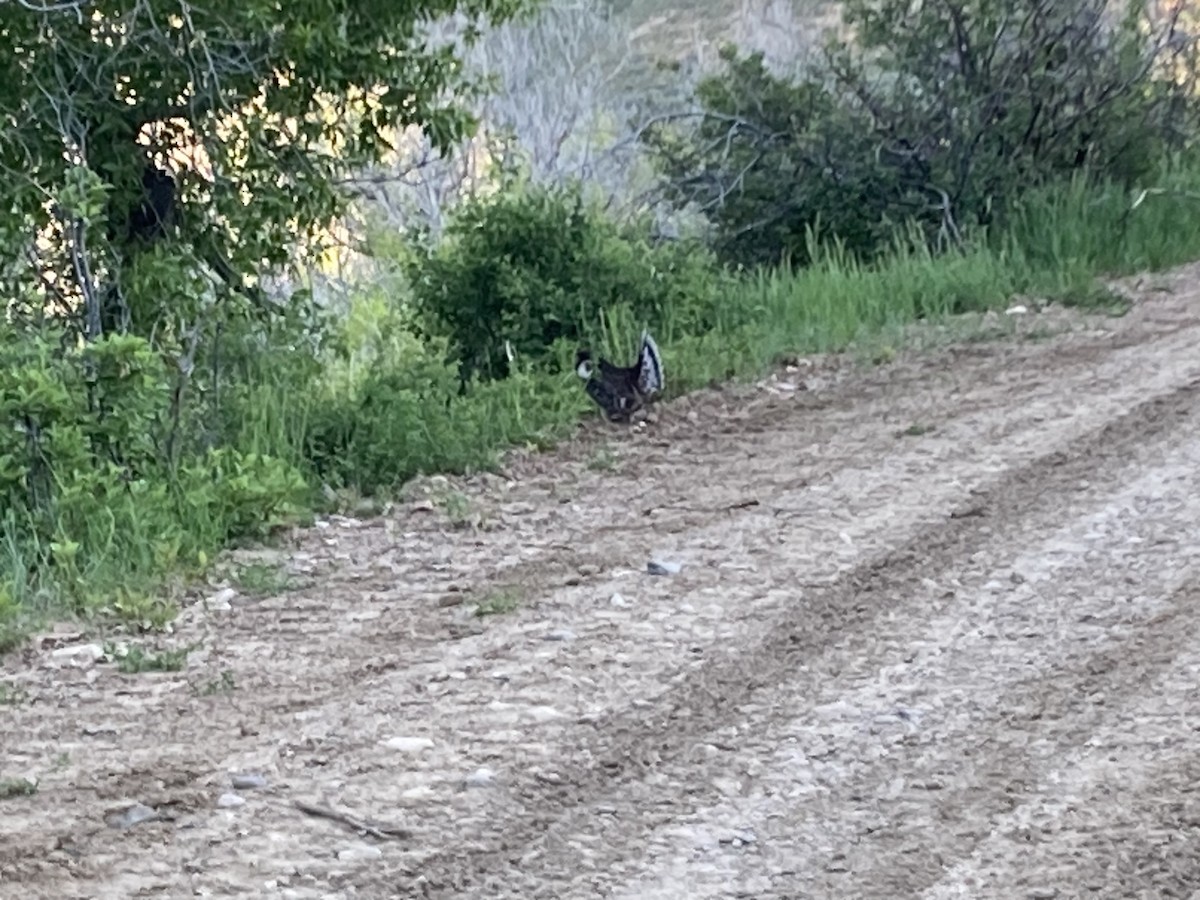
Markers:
243,494
520,270
942,114
95,510
412,416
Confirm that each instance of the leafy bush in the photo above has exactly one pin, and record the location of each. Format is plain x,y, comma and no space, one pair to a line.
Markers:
93,503
527,267
940,114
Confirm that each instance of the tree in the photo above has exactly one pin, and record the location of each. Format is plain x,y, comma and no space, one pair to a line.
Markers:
936,112
211,132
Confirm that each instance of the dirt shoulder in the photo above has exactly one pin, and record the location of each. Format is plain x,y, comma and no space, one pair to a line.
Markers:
934,633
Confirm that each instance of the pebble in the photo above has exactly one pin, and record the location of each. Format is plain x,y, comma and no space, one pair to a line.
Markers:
740,838
359,852
663,567
248,781
139,812
481,777
78,654
230,799
544,713
222,600
408,744
618,601
559,634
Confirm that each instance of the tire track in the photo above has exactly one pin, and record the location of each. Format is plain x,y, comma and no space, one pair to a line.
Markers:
634,744
1116,816
991,689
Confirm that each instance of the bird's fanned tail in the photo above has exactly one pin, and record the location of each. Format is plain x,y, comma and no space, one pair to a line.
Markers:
650,367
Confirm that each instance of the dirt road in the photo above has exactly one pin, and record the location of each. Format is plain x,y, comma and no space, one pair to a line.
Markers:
935,633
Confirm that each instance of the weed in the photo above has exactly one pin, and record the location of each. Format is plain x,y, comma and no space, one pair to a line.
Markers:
134,659
1096,297
1038,333
263,579
602,460
223,684
884,355
12,695
17,787
501,601
458,508
914,430
148,612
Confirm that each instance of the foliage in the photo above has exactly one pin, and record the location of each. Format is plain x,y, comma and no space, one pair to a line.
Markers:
940,113
403,412
157,161
92,507
520,270
409,417
222,127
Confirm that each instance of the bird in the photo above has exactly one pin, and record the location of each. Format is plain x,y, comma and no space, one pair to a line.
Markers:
620,391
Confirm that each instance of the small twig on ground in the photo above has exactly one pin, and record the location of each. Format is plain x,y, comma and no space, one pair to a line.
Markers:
376,829
682,507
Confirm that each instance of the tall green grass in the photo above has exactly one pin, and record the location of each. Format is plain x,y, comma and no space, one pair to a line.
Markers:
1062,238
391,408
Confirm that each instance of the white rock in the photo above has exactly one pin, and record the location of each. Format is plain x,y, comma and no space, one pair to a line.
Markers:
544,713
221,600
78,654
359,852
408,744
481,777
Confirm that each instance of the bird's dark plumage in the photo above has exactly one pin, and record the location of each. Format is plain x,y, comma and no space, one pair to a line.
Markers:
622,390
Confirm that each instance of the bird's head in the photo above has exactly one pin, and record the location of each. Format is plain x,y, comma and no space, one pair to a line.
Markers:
583,364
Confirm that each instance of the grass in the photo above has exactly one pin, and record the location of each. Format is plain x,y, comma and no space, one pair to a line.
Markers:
498,602
134,659
916,429
457,508
225,683
17,787
125,556
263,579
603,460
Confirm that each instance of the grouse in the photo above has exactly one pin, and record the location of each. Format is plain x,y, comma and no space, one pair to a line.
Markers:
618,390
